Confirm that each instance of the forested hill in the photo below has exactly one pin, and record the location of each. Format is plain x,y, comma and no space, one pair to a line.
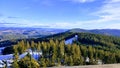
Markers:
88,39
83,38
95,47
110,32
108,43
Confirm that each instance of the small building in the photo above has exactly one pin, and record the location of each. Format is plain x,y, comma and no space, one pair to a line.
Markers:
35,54
87,59
99,62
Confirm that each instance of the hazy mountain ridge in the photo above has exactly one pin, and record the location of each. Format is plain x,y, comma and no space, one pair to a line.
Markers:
8,33
111,32
23,33
38,34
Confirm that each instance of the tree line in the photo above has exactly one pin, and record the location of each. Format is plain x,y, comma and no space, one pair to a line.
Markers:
57,53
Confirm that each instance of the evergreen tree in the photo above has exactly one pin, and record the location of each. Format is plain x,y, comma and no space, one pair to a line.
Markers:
28,62
16,57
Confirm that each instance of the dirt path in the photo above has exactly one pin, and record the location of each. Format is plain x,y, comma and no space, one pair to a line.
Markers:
92,66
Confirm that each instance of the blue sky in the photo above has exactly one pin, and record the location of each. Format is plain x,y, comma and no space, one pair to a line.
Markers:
86,14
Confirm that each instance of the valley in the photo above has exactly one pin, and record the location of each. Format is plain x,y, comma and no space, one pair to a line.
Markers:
64,49
26,33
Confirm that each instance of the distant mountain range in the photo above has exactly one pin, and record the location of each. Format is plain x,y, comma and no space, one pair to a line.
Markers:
109,32
8,33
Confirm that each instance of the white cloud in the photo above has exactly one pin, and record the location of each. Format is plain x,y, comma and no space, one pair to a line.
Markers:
66,25
113,26
112,1
108,17
80,1
109,11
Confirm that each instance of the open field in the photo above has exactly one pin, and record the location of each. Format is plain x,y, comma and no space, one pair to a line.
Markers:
92,66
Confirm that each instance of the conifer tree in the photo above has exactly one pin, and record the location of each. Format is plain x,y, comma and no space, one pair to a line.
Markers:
16,57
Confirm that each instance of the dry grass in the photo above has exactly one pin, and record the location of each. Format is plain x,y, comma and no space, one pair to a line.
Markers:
92,66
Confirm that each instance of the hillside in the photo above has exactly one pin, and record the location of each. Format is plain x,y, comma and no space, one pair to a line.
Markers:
110,32
26,33
87,49
96,40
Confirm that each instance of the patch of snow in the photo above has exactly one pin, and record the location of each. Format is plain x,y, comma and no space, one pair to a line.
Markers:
70,41
1,48
22,55
6,57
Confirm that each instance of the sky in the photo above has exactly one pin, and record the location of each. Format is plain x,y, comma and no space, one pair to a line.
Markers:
64,14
